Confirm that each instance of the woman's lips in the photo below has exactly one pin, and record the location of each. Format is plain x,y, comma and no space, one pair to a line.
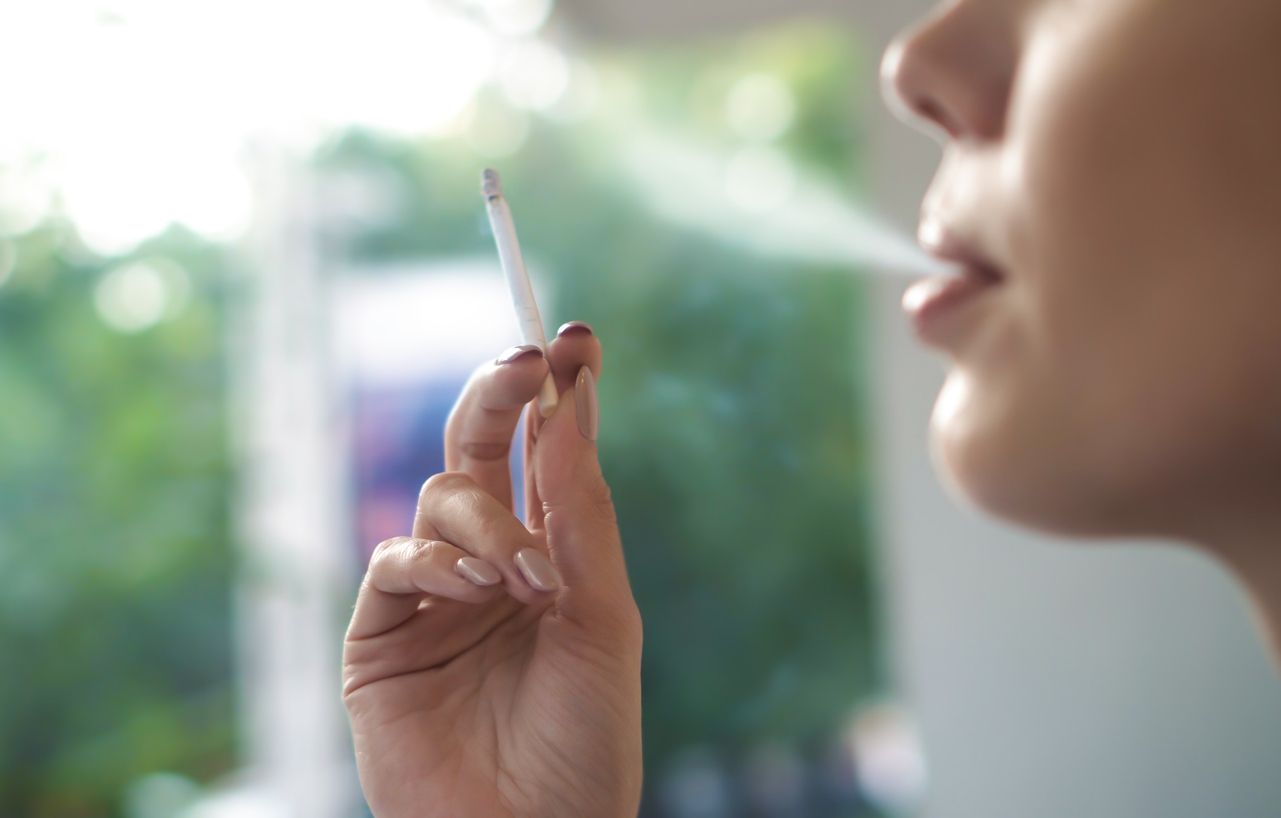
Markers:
937,305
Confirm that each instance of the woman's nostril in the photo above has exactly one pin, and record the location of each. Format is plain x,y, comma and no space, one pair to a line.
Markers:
917,109
931,111
905,88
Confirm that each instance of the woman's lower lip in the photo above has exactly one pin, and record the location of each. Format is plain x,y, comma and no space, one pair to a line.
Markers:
934,303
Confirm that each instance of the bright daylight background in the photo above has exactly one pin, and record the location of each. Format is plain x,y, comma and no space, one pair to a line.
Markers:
244,270
244,273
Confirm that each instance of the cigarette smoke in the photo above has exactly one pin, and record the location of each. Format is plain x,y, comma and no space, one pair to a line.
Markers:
793,218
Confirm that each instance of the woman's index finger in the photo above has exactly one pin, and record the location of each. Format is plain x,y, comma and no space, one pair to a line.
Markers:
479,432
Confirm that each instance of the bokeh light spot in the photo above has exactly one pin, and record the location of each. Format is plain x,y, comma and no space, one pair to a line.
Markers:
516,18
497,132
534,76
760,107
26,196
138,295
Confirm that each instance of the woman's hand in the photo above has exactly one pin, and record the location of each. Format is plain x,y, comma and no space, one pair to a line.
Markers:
483,680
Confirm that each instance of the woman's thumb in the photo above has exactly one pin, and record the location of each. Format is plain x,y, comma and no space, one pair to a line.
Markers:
582,530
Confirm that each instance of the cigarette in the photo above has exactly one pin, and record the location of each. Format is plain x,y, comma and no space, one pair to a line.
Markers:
513,263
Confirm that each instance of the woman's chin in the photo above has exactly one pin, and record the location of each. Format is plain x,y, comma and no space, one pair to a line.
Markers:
1020,472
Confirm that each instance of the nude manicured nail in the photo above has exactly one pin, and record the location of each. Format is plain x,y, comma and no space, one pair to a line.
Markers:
516,353
478,572
537,570
585,404
574,327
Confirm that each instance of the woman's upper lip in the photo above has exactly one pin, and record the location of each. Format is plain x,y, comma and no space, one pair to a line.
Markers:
945,244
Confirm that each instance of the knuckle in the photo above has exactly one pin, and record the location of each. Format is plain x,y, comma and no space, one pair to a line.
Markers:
444,483
380,550
479,450
423,550
595,498
598,494
594,505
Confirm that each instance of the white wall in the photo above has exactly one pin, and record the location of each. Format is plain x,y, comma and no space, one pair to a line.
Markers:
1053,679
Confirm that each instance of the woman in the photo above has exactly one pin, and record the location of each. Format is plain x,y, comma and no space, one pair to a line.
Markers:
1111,178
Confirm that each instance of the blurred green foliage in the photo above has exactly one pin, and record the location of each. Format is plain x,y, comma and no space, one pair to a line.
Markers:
114,550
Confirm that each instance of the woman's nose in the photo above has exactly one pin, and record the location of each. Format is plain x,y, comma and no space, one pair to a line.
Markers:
954,70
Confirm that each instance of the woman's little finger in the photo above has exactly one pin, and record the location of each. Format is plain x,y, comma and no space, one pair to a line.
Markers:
416,566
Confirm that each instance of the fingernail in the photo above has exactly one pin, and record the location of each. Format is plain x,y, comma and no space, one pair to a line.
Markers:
585,404
477,571
516,353
574,327
537,570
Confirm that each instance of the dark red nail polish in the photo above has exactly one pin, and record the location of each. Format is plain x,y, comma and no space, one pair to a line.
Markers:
574,327
516,353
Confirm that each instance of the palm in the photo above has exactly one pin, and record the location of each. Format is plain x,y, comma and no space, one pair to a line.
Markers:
480,722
